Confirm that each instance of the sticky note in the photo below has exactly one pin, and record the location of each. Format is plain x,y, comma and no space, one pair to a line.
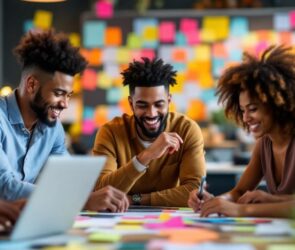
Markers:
219,25
292,18
219,50
164,216
88,113
89,79
285,37
104,237
140,24
196,110
104,81
179,55
88,127
235,55
180,39
95,57
113,36
100,115
188,25
218,66
125,106
113,95
206,80
149,53
167,32
93,34
239,26
109,55
281,22
43,19
113,111
133,41
123,55
193,37
28,25
104,9
74,39
202,52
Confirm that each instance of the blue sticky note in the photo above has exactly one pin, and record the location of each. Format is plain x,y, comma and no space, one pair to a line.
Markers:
114,95
88,113
239,26
218,66
179,67
235,55
281,22
208,95
113,111
93,34
180,39
28,25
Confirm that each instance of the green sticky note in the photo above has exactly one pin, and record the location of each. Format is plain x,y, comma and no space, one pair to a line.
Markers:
104,237
281,247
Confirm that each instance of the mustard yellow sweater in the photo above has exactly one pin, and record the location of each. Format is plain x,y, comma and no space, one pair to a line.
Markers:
168,179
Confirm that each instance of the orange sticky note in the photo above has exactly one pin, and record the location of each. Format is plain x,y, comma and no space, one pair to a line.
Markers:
179,55
89,79
94,57
125,106
196,110
42,19
285,38
113,36
219,50
101,115
189,235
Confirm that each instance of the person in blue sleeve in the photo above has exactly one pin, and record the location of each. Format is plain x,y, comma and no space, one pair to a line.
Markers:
29,127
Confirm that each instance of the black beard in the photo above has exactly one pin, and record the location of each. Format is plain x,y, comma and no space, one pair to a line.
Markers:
39,106
149,134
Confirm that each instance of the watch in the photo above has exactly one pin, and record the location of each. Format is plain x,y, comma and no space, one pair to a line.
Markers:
136,199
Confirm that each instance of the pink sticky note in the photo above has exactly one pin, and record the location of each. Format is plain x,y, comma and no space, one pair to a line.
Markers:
193,37
187,25
88,127
104,9
175,222
89,79
167,32
149,53
292,18
260,47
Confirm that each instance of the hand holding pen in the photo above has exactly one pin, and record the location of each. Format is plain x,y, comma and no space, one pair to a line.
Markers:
197,197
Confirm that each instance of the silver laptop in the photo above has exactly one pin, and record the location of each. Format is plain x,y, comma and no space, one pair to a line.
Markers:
61,191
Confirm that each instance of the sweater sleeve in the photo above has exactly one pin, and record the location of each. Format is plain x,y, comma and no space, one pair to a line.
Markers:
121,177
192,168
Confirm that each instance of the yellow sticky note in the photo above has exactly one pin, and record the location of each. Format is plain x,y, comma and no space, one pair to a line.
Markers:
123,55
104,81
131,222
164,216
178,88
128,227
196,110
75,39
43,19
218,24
206,80
202,53
101,115
104,237
250,40
208,36
150,33
133,41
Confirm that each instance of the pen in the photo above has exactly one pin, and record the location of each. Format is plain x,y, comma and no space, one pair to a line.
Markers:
201,188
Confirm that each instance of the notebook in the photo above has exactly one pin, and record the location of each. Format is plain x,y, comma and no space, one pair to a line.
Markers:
61,191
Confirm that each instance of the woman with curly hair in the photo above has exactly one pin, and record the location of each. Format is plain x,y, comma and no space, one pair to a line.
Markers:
259,94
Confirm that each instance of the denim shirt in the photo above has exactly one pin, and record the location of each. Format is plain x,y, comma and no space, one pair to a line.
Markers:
22,154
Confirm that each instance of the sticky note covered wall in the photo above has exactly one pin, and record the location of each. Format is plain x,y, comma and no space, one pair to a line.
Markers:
198,47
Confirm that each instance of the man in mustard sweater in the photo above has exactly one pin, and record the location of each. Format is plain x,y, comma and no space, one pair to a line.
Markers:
155,156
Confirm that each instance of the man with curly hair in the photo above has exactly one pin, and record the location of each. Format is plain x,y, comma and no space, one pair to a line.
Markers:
29,127
154,155
259,94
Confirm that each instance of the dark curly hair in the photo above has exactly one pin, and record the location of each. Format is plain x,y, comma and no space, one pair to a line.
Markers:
270,80
148,73
50,52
